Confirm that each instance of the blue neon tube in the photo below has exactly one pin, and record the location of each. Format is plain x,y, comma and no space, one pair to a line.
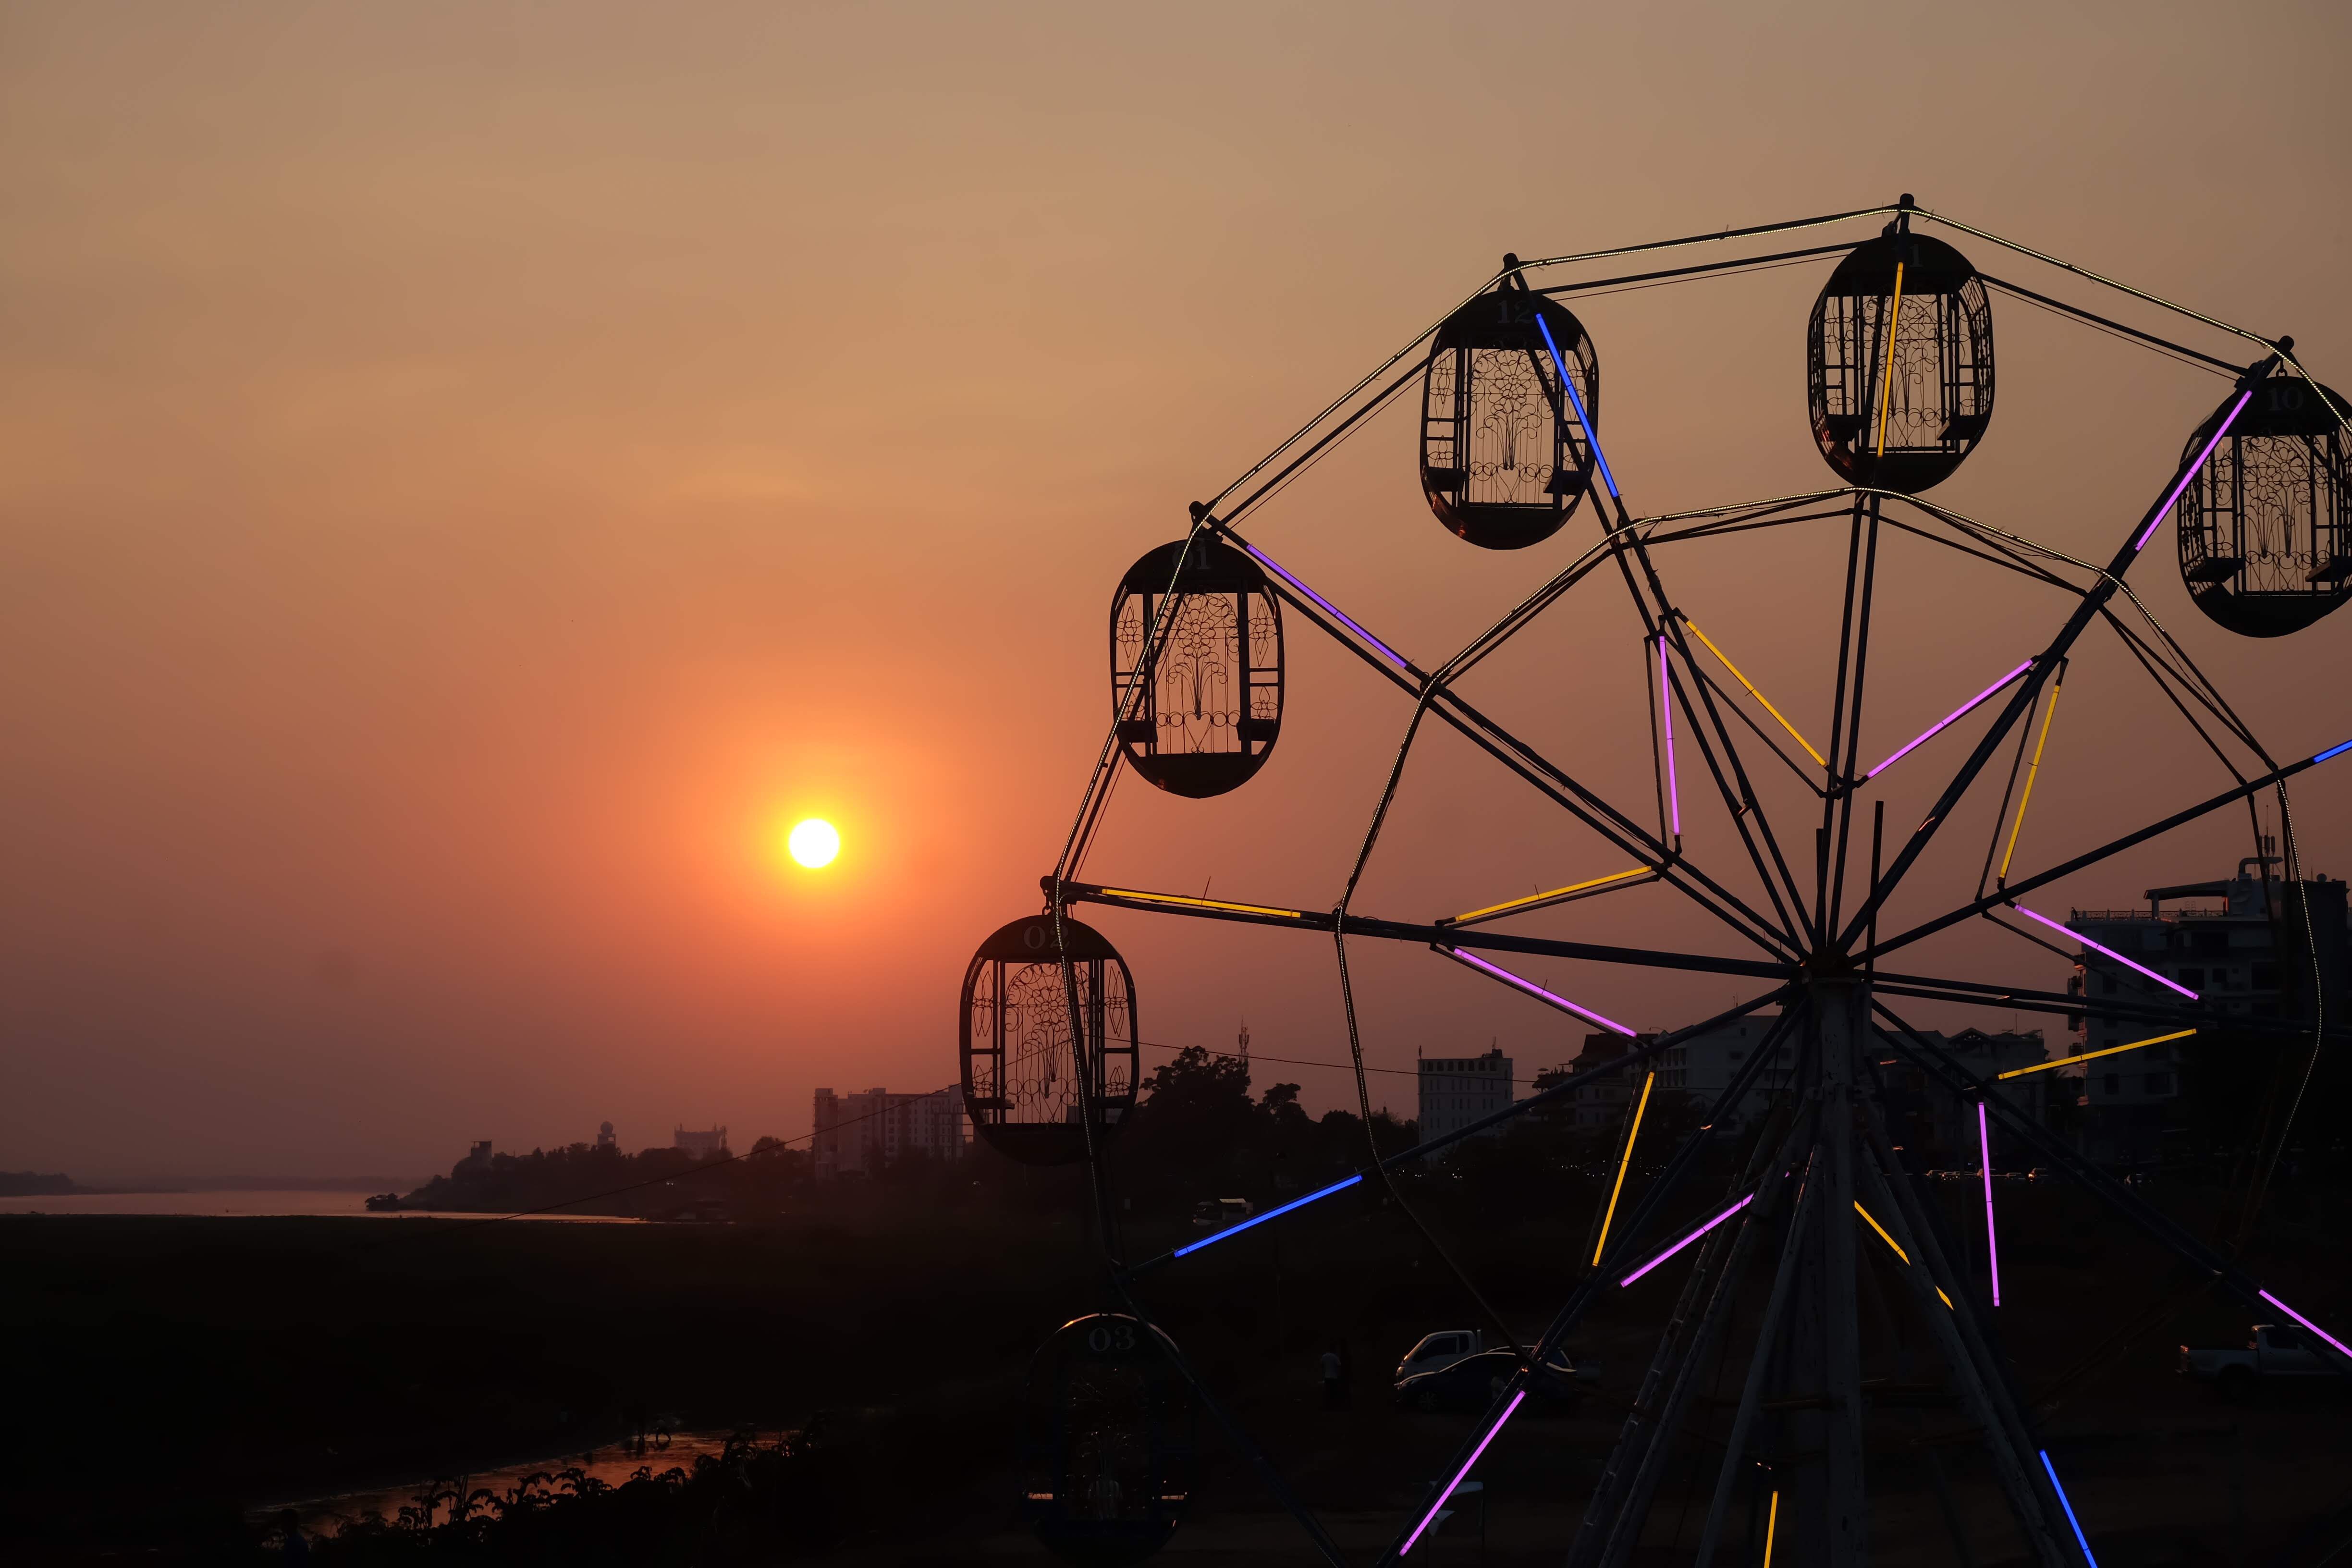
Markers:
1591,436
2052,1472
2333,752
1270,1213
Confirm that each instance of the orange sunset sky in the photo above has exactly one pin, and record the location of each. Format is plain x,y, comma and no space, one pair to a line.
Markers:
475,474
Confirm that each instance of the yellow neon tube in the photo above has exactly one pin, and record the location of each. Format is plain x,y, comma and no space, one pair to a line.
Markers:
1554,893
1887,393
1203,904
2086,1055
1771,1523
1947,1300
1633,1132
2047,714
1751,691
1888,1240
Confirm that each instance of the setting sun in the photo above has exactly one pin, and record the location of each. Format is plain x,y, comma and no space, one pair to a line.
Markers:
814,843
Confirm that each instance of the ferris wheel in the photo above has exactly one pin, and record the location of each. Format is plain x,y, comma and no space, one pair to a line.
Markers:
1900,387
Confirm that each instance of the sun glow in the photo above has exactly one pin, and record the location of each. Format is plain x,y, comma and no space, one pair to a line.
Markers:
814,843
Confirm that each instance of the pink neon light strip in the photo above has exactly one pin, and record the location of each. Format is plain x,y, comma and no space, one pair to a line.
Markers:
1686,1241
1443,1496
2165,505
1993,1242
1536,991
2307,1323
1667,705
2110,952
1263,558
1958,713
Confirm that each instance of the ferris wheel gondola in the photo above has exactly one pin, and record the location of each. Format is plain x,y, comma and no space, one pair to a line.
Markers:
1505,456
2265,526
1899,364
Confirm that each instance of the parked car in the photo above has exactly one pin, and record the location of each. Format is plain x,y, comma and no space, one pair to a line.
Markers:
1440,1350
1471,1382
2276,1351
1212,1213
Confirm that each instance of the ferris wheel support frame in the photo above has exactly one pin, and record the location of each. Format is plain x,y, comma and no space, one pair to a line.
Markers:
1826,963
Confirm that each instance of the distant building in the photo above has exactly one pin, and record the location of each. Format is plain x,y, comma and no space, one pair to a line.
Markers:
1936,1126
1928,1119
604,1138
862,1133
1602,1103
1457,1090
705,1144
2243,950
1704,1065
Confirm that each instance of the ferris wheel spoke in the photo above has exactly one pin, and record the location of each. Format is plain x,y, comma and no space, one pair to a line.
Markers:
1620,830
1735,788
1658,618
2039,668
1439,696
1663,624
2158,1226
1597,1281
1442,936
1637,1223
1977,994
2114,846
1831,896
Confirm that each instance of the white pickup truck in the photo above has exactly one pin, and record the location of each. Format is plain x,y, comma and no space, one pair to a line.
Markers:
2277,1350
1441,1350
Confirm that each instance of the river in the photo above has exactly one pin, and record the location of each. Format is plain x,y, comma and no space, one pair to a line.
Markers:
250,1205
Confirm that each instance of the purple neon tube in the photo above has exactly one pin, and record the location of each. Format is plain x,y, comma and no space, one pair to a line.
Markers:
1666,708
1536,991
1686,1241
2165,505
1263,558
1962,711
2306,1322
1457,1481
2110,952
1993,1242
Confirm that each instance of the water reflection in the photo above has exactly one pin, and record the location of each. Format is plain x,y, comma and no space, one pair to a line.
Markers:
613,1465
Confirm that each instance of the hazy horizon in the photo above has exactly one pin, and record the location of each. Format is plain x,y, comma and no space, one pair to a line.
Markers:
475,474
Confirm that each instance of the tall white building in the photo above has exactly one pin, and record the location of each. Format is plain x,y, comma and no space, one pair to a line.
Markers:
864,1132
1457,1090
1704,1064
703,1143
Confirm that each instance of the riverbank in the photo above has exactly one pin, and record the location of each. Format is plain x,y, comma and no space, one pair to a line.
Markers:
232,1203
193,1369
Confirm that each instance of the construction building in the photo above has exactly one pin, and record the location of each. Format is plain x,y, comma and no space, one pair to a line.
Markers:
2252,946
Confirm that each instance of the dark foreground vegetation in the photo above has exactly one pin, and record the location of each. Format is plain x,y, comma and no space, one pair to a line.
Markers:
172,1380
755,1503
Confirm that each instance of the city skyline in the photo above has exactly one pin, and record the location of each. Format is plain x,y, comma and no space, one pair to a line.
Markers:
478,479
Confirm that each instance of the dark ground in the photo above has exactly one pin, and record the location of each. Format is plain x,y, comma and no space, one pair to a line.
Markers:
167,1375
